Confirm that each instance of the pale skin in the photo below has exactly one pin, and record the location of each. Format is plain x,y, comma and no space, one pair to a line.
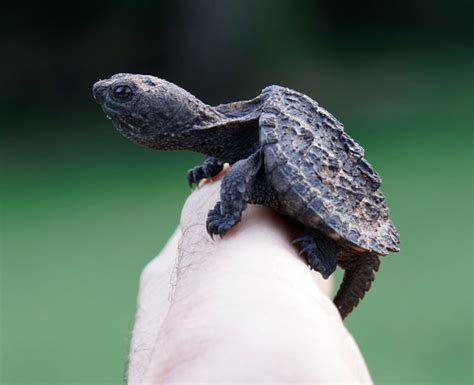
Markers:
244,309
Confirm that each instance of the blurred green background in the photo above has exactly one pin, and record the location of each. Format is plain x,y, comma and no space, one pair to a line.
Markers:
83,209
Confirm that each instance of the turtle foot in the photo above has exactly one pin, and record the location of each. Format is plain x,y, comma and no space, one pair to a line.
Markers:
210,168
319,251
218,223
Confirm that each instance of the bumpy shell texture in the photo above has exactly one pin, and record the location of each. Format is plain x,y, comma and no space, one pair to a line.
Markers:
320,173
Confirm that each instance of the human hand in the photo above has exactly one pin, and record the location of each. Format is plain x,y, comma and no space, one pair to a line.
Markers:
242,309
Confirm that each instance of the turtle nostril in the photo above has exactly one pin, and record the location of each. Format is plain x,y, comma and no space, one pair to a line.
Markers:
98,90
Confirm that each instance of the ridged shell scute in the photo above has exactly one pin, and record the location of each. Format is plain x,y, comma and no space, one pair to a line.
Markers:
320,173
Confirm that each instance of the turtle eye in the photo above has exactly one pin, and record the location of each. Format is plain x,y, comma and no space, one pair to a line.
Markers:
122,92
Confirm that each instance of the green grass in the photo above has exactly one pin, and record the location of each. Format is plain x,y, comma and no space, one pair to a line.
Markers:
84,210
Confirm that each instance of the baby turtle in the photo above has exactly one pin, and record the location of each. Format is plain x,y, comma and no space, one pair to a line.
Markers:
286,152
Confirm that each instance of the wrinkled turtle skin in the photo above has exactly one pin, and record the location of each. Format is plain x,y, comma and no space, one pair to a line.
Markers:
286,152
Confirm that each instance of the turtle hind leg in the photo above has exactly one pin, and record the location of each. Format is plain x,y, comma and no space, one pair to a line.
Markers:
319,251
359,273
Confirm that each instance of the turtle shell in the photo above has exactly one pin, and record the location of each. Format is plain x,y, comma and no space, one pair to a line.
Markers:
320,174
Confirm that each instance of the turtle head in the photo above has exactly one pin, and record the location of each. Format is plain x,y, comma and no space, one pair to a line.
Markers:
151,111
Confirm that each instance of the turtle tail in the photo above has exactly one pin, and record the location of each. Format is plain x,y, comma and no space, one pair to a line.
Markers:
359,272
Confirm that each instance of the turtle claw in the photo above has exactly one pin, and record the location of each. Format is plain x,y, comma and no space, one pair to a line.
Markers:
219,224
194,175
190,178
298,240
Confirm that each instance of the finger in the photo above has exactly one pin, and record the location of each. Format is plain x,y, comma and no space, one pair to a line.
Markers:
154,299
258,222
254,267
253,292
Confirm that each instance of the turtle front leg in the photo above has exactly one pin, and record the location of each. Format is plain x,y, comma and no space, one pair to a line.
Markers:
235,194
319,251
210,168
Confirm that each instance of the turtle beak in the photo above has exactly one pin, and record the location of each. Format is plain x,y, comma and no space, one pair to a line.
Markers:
99,91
